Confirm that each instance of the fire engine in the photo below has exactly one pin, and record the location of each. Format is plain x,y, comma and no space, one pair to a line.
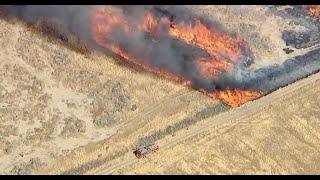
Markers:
142,152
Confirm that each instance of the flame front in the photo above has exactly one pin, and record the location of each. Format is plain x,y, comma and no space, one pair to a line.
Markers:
102,26
224,50
313,10
235,97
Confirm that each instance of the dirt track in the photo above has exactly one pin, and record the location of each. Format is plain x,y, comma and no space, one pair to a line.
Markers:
66,112
226,118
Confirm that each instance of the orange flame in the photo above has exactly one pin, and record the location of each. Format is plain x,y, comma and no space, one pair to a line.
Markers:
212,68
313,10
224,49
102,26
237,97
216,43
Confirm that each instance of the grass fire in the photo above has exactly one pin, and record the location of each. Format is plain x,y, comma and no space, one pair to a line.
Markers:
186,50
175,44
149,89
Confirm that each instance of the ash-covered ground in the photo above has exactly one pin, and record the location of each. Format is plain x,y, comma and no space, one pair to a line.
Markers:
62,100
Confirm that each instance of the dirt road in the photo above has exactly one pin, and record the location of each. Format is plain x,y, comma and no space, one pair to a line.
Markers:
65,109
225,118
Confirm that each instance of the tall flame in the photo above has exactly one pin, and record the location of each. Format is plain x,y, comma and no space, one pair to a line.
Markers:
313,10
235,97
102,26
224,49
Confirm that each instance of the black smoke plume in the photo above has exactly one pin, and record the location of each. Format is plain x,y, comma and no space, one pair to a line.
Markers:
170,54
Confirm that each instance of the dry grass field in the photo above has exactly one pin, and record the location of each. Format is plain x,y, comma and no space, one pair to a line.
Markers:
65,111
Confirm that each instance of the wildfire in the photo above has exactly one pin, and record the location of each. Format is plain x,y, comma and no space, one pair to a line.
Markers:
224,50
152,25
216,43
313,10
212,68
236,97
103,25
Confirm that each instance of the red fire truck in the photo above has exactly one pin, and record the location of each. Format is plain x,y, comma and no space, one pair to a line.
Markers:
144,151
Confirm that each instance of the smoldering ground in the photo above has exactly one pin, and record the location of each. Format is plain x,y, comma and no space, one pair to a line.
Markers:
169,54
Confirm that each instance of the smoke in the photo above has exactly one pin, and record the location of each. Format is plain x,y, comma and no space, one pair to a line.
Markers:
170,54
167,53
272,77
74,17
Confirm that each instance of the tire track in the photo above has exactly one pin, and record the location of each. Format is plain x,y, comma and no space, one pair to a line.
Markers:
142,116
140,119
224,118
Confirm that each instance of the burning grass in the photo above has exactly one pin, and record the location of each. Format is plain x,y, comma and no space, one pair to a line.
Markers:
222,51
176,45
186,50
313,10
